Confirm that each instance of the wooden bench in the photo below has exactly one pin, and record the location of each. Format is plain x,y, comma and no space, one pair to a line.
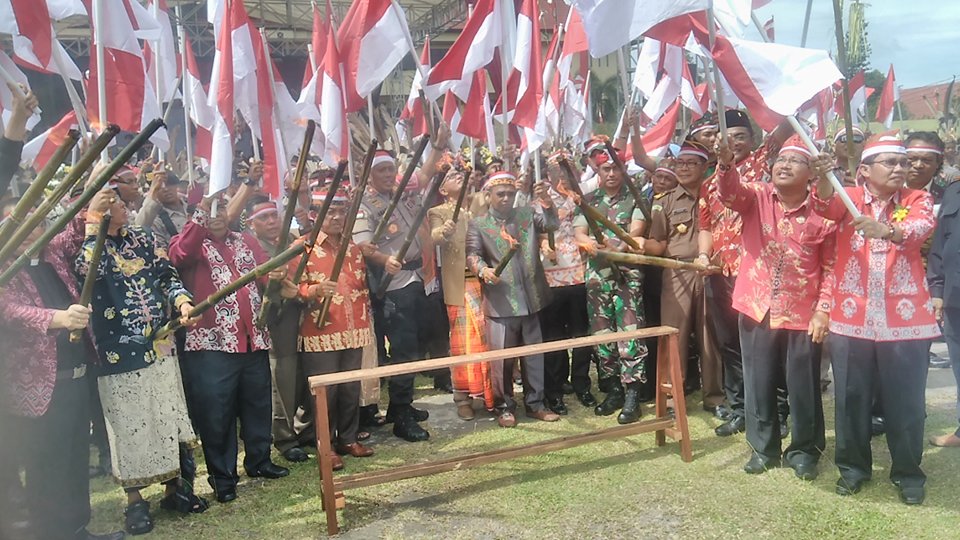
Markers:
669,385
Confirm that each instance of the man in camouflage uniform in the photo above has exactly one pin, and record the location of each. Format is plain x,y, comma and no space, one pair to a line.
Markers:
614,297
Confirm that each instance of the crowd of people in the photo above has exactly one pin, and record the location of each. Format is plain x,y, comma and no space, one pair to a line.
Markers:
788,283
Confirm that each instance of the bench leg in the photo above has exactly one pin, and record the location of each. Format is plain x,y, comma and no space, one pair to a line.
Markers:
328,496
670,380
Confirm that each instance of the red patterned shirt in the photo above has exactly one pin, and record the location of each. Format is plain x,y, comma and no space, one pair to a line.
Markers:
788,255
206,265
880,291
723,223
348,321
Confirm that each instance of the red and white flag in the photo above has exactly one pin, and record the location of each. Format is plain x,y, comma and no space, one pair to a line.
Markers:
6,97
201,114
318,41
657,138
35,43
611,24
131,101
472,50
162,64
675,80
888,97
451,115
222,104
524,92
38,150
372,40
859,93
477,120
333,116
413,114
772,80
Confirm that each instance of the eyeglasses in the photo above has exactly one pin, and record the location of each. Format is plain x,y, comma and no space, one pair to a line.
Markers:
792,161
891,163
857,139
687,164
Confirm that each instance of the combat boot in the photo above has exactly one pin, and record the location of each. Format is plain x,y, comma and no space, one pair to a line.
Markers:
613,401
631,404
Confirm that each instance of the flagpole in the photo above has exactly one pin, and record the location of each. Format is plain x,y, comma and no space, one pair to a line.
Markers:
156,71
370,125
806,24
903,127
101,74
624,84
185,92
503,83
717,86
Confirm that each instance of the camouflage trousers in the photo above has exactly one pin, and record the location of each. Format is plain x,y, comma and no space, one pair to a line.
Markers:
614,306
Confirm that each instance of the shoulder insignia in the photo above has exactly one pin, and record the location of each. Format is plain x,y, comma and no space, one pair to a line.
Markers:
660,195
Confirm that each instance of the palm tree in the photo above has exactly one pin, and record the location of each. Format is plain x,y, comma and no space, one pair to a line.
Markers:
606,98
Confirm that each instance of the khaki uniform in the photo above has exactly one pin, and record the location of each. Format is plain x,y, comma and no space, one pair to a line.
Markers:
674,220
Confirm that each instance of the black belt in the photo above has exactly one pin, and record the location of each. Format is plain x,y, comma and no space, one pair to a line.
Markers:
70,374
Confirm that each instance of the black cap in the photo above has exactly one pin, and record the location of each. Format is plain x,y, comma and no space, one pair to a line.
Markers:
738,118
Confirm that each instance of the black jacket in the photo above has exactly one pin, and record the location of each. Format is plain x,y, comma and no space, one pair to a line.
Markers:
943,262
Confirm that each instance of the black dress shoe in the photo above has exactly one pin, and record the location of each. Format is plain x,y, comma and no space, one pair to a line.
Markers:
269,470
86,535
567,389
912,495
224,494
759,465
295,455
407,428
735,425
722,412
137,519
612,403
419,415
806,471
849,487
558,406
370,417
586,399
878,425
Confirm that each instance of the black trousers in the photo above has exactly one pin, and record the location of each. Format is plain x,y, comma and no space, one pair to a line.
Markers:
652,289
54,450
951,334
566,317
403,318
724,320
770,355
899,370
343,400
223,388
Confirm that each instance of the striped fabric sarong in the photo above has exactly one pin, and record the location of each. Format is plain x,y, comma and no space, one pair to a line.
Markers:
467,337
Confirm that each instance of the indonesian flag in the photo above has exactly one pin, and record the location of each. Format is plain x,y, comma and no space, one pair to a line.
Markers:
6,96
372,40
773,80
574,42
451,115
524,91
35,43
309,99
477,120
549,113
201,113
255,95
859,92
472,50
165,58
38,151
658,136
222,104
888,97
413,113
611,24
675,79
333,116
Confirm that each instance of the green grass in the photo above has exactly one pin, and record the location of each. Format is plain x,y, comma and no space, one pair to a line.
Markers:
616,489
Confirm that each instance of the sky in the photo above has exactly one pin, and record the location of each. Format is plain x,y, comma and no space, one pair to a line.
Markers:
920,37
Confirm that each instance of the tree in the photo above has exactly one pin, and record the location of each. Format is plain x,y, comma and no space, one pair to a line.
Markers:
606,98
858,46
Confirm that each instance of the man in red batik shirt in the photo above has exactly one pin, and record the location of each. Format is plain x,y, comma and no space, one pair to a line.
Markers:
783,296
882,316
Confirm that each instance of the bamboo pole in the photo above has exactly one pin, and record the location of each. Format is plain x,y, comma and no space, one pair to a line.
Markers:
88,193
97,9
260,271
86,293
414,230
633,258
717,85
844,85
61,191
401,187
347,233
318,224
831,176
462,196
36,189
273,285
634,192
